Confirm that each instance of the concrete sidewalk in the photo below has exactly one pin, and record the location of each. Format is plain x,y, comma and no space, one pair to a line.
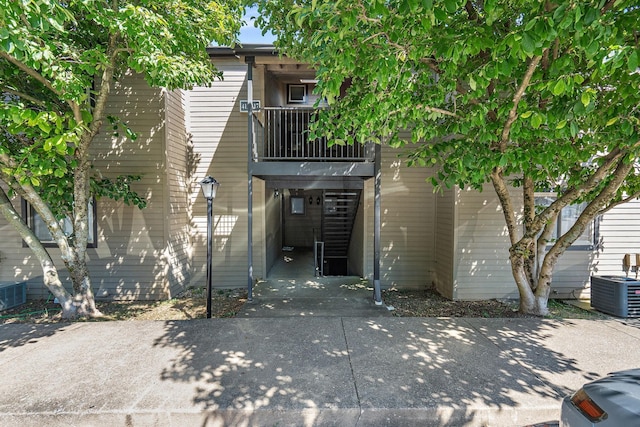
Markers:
341,296
319,371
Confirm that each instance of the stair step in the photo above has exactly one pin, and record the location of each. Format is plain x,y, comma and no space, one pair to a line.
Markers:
337,224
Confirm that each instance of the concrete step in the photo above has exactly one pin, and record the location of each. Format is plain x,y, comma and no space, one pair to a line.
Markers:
313,307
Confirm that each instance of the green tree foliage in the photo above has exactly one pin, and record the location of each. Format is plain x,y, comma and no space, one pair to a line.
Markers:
527,94
58,62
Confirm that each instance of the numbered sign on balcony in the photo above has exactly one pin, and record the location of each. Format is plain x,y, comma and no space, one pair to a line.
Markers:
244,106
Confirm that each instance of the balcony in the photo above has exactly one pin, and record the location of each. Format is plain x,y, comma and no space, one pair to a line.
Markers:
282,136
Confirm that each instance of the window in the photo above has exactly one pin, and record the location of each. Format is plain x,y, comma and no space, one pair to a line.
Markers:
297,205
568,216
297,94
42,232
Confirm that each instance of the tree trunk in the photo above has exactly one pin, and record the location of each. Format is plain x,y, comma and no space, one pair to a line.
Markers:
533,284
83,297
533,304
529,301
76,261
50,275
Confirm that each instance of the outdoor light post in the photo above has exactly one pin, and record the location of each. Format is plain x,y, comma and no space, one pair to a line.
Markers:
209,188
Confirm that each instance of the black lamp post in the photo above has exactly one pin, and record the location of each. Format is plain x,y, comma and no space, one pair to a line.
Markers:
209,188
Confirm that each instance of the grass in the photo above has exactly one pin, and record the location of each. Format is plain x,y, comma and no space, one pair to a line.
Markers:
561,309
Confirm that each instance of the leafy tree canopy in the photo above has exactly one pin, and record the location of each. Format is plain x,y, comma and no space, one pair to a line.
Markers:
54,54
544,95
540,87
58,62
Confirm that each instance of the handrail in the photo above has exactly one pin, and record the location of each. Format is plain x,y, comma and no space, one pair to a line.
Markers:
318,258
283,135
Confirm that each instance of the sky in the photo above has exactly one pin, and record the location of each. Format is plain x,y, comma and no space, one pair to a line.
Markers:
250,34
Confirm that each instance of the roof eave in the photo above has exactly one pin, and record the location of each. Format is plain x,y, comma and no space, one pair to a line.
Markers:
242,50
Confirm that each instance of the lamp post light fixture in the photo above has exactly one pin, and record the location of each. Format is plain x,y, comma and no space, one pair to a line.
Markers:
209,189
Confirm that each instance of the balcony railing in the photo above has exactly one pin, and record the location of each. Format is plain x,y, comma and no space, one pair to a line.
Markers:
284,136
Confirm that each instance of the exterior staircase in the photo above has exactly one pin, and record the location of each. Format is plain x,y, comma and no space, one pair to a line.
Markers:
338,214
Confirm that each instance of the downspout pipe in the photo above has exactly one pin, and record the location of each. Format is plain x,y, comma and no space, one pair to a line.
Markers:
250,61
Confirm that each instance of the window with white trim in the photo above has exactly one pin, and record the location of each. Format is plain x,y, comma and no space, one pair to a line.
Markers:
40,229
566,219
297,94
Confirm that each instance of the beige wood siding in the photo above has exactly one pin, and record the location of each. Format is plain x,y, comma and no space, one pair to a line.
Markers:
300,229
408,224
17,263
618,234
219,136
445,241
357,245
368,199
482,268
180,184
572,273
273,229
129,262
259,232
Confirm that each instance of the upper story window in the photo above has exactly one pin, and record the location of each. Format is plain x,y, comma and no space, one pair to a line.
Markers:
567,218
35,222
297,94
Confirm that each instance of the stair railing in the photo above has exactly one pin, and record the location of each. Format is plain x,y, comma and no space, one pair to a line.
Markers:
318,254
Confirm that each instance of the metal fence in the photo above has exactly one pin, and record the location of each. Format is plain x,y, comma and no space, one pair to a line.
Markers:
284,135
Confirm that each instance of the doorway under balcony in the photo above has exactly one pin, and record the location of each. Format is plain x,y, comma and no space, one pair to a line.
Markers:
314,232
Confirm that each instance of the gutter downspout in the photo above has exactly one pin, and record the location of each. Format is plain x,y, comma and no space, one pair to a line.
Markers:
250,60
377,293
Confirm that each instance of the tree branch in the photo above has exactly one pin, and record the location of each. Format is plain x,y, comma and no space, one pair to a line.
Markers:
373,36
31,72
471,11
51,278
619,202
364,16
541,242
530,261
438,110
43,80
513,114
26,97
28,193
607,6
593,208
528,189
429,110
389,42
505,202
432,64
611,161
81,171
105,90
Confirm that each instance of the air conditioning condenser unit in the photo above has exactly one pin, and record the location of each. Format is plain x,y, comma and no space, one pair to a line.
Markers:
616,295
12,295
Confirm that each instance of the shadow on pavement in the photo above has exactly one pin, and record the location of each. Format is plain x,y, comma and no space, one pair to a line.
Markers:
26,333
246,372
357,371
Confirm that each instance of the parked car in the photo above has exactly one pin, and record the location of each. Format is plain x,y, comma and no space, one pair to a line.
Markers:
612,401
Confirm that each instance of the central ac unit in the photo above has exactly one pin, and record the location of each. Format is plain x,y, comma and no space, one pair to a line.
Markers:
616,295
12,295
